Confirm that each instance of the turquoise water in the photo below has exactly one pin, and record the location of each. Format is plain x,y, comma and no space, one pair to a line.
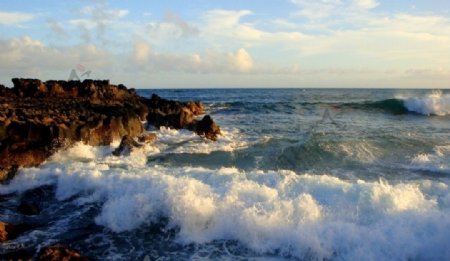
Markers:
298,174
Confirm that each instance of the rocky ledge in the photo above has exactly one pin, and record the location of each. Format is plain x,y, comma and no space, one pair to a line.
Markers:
37,118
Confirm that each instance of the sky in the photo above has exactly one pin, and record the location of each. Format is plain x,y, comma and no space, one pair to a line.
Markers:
229,43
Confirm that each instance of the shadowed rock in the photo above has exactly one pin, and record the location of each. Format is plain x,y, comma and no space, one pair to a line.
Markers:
37,118
7,231
127,144
206,127
59,252
179,115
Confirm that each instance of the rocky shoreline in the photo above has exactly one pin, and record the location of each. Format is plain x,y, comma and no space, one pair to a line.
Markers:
38,118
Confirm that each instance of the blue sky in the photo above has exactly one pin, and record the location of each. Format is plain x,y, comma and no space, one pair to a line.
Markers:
208,43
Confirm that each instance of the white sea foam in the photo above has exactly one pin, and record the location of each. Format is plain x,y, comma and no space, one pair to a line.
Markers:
170,141
437,161
305,216
435,103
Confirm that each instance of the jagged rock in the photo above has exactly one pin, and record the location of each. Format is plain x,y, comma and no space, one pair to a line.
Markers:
37,118
206,127
7,231
59,252
147,138
172,114
127,144
8,173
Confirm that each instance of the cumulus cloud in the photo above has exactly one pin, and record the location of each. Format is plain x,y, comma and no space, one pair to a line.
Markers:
240,61
28,57
205,62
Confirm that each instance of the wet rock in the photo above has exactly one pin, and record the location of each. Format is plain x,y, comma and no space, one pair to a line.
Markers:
179,115
7,231
147,138
41,117
59,252
127,144
6,174
206,127
172,114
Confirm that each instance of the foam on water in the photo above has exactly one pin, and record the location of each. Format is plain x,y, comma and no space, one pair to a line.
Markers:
435,103
184,141
270,212
437,161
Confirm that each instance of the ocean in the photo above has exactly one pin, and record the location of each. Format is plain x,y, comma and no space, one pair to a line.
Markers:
298,174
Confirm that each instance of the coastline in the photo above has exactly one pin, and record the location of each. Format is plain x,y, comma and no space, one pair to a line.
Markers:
37,119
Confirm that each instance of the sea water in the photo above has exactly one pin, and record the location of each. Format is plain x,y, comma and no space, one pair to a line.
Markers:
297,174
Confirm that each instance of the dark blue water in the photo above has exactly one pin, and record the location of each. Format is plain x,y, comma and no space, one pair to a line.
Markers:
297,174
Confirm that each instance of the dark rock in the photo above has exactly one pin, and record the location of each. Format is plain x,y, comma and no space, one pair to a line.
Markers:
172,114
28,208
38,118
127,144
179,115
6,174
206,127
59,252
7,231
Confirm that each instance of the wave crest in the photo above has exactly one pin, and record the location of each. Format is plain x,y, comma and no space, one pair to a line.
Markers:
435,103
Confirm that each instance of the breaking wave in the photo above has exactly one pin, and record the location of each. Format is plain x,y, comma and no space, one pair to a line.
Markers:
281,213
435,103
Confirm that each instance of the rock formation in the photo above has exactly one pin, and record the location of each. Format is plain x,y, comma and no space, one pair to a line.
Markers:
7,231
37,118
59,252
179,115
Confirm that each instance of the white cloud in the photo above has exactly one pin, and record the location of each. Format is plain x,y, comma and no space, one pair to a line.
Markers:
219,18
28,57
241,61
325,8
14,18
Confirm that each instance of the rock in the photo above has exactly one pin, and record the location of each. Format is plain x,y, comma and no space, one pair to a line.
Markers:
28,208
179,115
38,118
59,252
7,231
206,127
127,144
171,114
147,138
6,174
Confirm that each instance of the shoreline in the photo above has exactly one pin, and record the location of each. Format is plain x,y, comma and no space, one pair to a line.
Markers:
39,118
